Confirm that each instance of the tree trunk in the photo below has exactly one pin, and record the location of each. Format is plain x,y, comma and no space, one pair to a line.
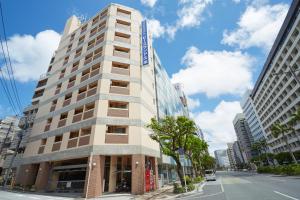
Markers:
290,150
194,169
179,171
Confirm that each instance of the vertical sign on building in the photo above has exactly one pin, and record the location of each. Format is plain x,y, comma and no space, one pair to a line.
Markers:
145,52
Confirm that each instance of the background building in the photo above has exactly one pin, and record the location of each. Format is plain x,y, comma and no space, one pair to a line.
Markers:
276,95
103,85
252,118
222,160
231,156
243,135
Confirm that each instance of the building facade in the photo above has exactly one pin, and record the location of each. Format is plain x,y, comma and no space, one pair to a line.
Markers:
243,135
252,118
222,158
276,95
231,156
102,87
8,133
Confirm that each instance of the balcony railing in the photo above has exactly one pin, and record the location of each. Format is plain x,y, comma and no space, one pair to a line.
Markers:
84,140
88,114
121,54
92,91
84,77
88,60
122,39
99,40
119,90
90,46
81,96
117,112
123,15
47,127
95,72
41,149
61,123
118,70
77,117
71,84
74,69
123,26
56,146
114,138
67,102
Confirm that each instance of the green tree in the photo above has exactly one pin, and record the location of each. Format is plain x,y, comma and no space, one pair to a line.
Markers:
293,122
277,130
171,134
208,162
196,148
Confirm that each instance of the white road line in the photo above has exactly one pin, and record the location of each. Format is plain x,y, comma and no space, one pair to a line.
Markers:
34,198
286,195
222,188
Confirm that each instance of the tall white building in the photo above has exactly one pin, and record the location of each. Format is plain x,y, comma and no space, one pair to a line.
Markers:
276,95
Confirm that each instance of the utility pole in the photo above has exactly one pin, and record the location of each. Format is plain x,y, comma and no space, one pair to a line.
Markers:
7,133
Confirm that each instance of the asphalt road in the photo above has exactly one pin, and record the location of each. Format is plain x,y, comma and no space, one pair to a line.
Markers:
249,186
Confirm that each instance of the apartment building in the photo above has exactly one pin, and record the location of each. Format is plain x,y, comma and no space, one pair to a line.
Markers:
103,85
252,118
244,136
8,132
276,95
231,156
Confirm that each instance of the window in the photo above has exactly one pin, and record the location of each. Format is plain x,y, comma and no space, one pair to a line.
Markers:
66,60
121,52
52,108
48,124
58,87
57,143
72,37
63,119
75,66
42,146
121,37
116,129
83,29
71,81
122,25
68,98
78,52
69,48
81,40
123,13
120,68
62,73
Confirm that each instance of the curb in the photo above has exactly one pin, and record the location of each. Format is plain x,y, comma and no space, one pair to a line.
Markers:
199,189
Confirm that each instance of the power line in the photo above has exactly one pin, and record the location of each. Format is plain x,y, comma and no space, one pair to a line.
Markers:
7,93
9,67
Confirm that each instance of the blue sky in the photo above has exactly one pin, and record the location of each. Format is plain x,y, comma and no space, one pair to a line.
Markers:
215,48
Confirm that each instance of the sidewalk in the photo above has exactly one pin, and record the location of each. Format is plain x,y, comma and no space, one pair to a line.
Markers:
155,194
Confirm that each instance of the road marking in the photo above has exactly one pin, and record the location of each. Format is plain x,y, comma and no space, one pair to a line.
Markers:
222,188
286,195
34,198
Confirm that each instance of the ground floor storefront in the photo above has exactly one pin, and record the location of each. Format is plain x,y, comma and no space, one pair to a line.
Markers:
92,176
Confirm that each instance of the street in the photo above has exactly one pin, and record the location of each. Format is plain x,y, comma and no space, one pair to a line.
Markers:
249,186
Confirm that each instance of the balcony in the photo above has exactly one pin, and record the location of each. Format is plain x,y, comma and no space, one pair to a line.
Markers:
100,39
118,70
84,77
77,118
61,75
121,54
112,138
122,39
90,47
72,143
47,127
52,108
117,112
67,102
84,140
57,91
41,149
81,96
124,13
92,91
123,26
88,60
71,84
62,122
88,114
74,69
56,146
119,90
95,72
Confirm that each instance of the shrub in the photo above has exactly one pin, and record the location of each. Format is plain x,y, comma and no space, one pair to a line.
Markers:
188,180
198,179
178,189
290,170
190,187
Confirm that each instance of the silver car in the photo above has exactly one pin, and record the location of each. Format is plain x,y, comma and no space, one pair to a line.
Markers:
210,175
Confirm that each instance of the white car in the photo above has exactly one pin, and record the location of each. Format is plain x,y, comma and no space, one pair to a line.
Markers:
210,175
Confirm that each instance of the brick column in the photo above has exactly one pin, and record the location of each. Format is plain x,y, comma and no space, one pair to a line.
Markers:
138,174
93,180
41,181
27,174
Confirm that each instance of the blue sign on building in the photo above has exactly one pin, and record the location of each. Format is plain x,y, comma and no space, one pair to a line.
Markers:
145,55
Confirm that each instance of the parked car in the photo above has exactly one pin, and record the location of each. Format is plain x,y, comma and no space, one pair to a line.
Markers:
210,175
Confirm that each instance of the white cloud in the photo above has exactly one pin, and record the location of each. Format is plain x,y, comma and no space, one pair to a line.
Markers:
155,28
217,124
149,3
215,72
257,26
193,103
30,56
236,1
190,14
